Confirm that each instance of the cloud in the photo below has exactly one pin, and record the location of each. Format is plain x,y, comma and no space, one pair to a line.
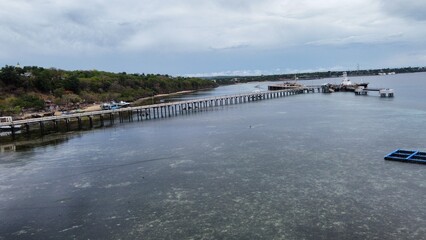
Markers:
408,58
362,39
258,72
74,28
406,9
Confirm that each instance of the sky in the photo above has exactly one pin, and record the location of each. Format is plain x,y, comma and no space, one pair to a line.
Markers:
213,37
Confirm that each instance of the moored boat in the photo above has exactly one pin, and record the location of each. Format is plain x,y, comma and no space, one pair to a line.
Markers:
123,104
114,105
285,85
346,85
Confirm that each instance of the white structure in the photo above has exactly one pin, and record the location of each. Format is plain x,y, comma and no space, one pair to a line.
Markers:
386,92
6,123
346,81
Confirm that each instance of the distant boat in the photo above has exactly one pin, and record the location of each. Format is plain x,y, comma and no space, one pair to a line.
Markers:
123,104
285,85
114,105
346,81
8,121
109,106
347,85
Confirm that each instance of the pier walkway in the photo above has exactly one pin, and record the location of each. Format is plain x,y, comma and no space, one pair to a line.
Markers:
93,119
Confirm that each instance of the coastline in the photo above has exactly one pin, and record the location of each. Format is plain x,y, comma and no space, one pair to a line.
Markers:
97,106
140,100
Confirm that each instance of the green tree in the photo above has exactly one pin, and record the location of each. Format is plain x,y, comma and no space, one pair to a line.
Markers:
43,81
72,83
29,101
9,76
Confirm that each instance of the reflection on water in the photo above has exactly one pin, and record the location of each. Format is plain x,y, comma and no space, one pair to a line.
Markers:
30,143
4,133
303,167
7,148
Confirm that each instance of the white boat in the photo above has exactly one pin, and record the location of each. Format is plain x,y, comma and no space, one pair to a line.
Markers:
7,124
346,81
123,104
347,85
114,105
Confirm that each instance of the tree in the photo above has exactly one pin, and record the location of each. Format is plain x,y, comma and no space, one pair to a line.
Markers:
29,101
43,81
9,76
72,83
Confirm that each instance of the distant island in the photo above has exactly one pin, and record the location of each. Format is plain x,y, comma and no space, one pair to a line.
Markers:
36,89
224,80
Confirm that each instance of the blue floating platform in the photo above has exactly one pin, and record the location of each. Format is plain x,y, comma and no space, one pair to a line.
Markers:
407,156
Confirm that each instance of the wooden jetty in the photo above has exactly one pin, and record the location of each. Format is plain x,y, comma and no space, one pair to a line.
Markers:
407,156
383,92
76,121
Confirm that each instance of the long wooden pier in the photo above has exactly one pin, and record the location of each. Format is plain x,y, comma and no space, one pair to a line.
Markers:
147,112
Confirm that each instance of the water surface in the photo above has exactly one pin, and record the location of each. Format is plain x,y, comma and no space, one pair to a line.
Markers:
302,167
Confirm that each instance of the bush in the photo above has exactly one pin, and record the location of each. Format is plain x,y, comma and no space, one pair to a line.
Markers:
29,101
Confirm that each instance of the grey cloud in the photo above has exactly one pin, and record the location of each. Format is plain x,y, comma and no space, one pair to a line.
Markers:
230,47
78,17
409,9
115,27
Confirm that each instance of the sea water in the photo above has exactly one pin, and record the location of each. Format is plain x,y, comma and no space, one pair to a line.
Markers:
308,166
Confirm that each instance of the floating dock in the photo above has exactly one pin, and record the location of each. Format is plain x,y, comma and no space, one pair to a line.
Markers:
407,156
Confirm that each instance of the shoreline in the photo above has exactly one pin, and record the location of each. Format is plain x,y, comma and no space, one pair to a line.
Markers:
163,95
97,106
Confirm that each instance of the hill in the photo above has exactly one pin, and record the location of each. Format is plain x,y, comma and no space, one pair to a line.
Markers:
34,88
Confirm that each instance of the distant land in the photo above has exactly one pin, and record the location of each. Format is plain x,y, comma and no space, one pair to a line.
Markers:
223,80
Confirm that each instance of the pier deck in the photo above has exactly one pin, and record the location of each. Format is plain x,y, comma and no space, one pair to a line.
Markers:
383,92
142,113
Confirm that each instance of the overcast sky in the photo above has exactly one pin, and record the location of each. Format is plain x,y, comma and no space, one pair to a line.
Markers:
213,37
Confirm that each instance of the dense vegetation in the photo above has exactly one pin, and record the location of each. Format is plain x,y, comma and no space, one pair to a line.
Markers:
23,88
314,75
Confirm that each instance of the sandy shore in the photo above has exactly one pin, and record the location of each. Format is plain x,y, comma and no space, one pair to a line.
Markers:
97,107
162,95
94,107
171,94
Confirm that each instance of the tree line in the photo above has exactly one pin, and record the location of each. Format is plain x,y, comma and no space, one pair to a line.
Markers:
223,80
30,87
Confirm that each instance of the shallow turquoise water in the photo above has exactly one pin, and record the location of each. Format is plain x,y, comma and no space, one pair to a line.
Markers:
303,167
